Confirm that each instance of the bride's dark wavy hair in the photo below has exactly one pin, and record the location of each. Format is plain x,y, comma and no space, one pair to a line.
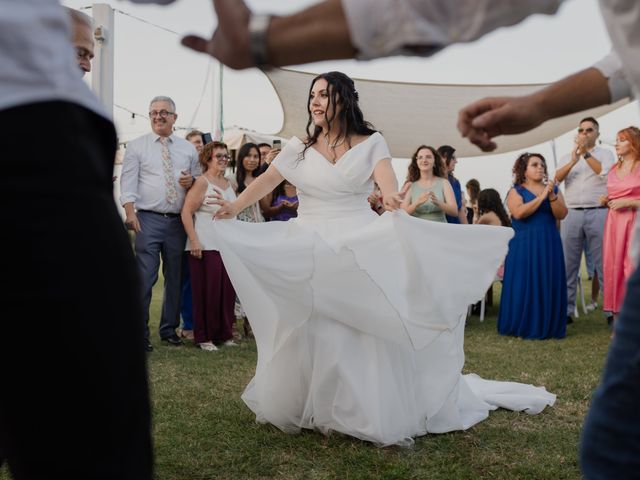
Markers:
350,120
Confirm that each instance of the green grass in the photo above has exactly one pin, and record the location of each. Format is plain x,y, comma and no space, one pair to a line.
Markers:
203,430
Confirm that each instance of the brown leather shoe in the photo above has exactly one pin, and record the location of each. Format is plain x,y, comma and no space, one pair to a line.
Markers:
187,334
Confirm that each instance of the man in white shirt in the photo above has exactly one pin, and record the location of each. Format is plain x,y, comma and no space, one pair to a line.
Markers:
584,173
157,170
336,29
73,406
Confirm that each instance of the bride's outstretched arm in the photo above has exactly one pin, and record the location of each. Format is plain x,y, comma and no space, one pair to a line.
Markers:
260,187
385,177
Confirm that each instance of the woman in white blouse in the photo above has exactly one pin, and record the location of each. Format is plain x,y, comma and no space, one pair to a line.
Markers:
213,293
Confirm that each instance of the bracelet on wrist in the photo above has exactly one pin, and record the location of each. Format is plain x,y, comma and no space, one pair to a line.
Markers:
258,27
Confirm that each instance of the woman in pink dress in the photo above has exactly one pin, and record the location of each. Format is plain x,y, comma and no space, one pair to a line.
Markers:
623,200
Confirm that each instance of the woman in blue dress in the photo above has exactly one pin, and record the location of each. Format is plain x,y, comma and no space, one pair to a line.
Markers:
534,293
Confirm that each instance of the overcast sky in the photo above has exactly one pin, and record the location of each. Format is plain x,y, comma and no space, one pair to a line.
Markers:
149,61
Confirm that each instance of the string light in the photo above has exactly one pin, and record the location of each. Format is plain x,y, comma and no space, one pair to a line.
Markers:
146,21
133,113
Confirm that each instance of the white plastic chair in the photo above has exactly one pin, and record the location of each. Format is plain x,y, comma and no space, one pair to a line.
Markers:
496,279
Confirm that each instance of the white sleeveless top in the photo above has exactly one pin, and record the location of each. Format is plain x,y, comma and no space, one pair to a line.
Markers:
203,217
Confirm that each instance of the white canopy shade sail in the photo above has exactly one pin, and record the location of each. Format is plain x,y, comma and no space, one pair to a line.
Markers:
411,114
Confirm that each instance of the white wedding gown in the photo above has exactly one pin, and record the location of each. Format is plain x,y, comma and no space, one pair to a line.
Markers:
359,319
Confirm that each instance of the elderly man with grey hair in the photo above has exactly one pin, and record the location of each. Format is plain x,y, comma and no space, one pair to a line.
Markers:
157,170
82,38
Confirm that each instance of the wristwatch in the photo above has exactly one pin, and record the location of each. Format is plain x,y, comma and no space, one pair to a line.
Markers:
258,26
587,155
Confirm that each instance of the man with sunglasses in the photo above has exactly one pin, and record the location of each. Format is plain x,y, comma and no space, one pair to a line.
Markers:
157,170
584,173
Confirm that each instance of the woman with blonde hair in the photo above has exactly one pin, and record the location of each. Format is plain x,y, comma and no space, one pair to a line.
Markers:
623,200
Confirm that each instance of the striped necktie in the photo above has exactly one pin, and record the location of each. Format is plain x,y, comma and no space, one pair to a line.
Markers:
167,168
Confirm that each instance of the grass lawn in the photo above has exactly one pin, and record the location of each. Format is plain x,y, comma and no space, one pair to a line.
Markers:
203,430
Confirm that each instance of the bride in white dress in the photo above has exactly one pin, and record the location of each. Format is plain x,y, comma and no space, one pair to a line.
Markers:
359,319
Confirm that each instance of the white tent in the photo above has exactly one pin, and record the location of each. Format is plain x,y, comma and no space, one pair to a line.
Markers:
235,137
410,114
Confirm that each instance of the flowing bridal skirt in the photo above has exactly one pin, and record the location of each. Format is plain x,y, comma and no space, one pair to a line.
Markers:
359,323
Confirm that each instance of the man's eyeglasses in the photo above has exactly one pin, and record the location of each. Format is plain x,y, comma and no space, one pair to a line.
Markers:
222,156
586,130
161,113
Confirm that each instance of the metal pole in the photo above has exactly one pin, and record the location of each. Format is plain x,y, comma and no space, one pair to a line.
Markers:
216,102
221,100
555,158
102,69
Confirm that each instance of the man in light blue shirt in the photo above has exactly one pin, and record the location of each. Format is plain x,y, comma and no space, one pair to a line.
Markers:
157,171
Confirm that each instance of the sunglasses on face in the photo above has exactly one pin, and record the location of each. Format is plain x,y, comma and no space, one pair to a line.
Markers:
222,156
586,130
